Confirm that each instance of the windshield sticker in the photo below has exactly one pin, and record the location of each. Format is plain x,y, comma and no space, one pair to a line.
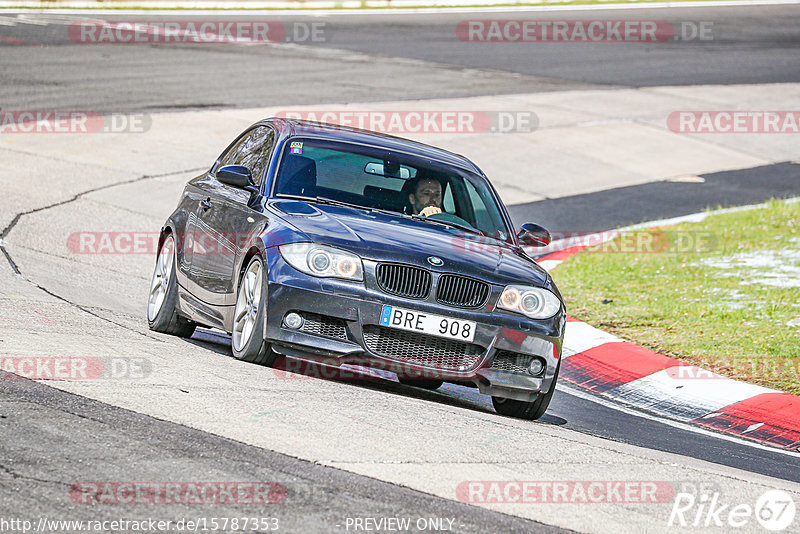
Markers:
296,148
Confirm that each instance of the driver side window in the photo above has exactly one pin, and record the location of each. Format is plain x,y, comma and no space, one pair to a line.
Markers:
230,157
252,151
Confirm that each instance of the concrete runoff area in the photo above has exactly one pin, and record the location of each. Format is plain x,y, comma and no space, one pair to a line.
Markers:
93,306
41,482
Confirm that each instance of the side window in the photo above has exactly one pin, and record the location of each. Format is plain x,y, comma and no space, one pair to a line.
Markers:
447,200
487,216
252,151
230,157
256,150
483,219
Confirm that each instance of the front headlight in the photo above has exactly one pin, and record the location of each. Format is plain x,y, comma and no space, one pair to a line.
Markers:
322,260
533,302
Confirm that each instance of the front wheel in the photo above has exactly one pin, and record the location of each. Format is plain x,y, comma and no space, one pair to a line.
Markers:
526,410
247,339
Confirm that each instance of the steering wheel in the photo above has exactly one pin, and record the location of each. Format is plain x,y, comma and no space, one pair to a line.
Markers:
449,217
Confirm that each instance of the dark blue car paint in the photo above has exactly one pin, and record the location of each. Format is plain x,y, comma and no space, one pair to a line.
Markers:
207,284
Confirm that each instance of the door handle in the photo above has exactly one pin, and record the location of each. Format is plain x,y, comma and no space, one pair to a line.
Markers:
205,204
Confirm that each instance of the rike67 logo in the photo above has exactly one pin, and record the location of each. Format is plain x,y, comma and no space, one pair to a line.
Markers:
774,510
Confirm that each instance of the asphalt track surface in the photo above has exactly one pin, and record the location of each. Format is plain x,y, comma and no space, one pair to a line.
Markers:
362,58
571,409
626,206
53,432
58,431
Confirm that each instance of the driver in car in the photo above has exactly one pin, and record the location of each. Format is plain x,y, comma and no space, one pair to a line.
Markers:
426,197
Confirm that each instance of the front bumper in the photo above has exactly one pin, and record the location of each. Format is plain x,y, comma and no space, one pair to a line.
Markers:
357,306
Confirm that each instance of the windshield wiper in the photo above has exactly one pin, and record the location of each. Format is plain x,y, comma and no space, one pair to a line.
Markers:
333,202
326,200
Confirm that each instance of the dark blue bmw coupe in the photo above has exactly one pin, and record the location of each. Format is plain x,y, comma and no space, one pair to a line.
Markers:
329,243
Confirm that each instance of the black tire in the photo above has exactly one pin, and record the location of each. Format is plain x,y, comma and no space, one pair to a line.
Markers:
167,320
256,349
526,410
424,383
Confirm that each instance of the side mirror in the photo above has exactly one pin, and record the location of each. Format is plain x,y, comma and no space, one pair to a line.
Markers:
533,235
235,175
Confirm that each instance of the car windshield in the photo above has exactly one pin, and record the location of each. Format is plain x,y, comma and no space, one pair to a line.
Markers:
379,179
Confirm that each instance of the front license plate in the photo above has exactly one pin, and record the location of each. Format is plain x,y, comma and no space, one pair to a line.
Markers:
427,323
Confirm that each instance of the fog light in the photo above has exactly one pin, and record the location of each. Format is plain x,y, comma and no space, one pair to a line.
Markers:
293,320
536,367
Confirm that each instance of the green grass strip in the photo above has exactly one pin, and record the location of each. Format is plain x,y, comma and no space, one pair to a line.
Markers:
723,294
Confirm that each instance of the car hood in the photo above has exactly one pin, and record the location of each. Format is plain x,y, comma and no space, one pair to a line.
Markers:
384,237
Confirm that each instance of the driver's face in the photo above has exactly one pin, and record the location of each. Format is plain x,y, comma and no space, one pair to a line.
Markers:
428,193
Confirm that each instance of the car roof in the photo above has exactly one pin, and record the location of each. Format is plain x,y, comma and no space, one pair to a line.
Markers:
292,127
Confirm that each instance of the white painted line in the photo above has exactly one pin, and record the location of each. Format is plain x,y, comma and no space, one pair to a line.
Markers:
687,179
699,217
666,393
27,18
338,8
549,265
580,337
594,239
575,392
753,427
49,18
692,218
602,237
6,21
